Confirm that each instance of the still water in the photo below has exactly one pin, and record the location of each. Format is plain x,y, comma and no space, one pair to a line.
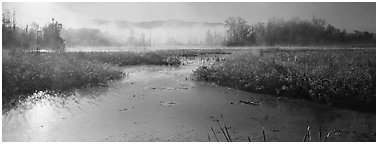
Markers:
161,103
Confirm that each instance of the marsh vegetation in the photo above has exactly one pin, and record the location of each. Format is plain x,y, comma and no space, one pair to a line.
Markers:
342,77
287,75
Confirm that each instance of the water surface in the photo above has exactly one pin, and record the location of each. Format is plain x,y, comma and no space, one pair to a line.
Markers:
161,103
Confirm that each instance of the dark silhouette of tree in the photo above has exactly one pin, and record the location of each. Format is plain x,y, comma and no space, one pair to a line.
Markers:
209,39
238,31
51,37
131,40
142,40
259,34
30,37
9,35
293,32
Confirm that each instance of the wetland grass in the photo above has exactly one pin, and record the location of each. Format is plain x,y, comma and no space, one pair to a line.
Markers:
342,78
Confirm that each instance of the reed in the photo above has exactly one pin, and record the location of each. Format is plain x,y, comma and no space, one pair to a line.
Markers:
224,134
325,139
320,132
263,132
228,134
307,134
215,135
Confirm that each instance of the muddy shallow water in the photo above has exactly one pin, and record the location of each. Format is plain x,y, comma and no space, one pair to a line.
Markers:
161,103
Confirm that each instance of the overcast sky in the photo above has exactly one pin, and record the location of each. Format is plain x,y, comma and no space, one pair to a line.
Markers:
351,16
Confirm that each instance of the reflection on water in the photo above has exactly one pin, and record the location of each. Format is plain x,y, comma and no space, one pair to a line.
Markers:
161,103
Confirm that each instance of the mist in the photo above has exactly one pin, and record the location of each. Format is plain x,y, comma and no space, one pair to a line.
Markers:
187,24
154,33
189,72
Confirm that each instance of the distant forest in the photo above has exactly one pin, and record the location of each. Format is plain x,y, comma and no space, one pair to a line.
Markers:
276,32
294,32
31,36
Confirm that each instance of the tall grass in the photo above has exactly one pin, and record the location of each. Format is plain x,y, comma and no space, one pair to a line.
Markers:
343,78
25,73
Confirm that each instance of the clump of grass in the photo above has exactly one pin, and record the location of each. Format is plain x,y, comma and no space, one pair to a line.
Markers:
342,78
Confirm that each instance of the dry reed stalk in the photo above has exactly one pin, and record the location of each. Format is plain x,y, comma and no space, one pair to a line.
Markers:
325,139
228,134
216,138
223,131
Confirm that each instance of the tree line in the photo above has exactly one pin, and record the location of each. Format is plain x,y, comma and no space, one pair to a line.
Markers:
295,32
276,32
31,36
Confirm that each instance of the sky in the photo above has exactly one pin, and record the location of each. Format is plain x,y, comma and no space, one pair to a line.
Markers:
349,16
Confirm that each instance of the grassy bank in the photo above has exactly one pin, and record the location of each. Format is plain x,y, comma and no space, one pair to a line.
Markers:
344,78
158,57
27,72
